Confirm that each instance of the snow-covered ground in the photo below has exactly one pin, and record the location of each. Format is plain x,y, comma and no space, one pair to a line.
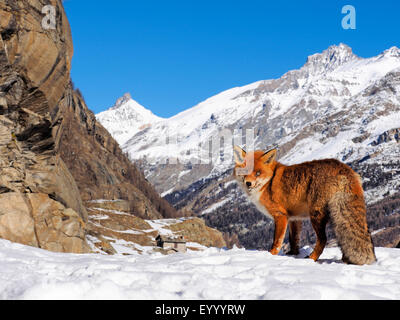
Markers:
31,273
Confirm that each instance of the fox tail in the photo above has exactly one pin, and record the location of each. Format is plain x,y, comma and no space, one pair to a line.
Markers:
348,214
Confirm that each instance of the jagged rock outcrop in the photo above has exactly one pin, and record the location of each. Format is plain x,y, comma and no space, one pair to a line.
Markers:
53,153
38,61
34,68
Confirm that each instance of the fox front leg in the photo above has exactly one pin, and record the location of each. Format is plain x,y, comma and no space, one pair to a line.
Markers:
281,222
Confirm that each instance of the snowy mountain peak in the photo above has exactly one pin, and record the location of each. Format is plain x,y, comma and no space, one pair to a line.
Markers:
121,101
330,59
126,118
392,52
129,108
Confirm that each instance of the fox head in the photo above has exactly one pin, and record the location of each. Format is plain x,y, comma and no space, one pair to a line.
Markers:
254,169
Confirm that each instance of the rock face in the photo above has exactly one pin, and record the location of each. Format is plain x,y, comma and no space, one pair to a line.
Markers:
53,153
38,60
34,68
36,220
16,221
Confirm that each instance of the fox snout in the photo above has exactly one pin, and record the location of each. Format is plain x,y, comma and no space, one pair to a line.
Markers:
248,184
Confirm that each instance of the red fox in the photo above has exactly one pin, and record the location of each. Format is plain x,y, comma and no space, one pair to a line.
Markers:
320,190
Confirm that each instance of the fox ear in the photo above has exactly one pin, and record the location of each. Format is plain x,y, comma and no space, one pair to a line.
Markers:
269,156
239,154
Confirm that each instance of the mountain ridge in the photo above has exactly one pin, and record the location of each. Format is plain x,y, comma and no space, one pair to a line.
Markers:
304,89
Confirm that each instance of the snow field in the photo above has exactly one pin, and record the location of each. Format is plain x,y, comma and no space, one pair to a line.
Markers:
31,273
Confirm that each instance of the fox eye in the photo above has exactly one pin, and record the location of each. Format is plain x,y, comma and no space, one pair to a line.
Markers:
258,173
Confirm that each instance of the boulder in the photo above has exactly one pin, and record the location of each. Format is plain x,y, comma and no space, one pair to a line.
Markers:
16,221
36,220
57,228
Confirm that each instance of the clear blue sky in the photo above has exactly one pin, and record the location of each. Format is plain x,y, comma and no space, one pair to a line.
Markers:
172,54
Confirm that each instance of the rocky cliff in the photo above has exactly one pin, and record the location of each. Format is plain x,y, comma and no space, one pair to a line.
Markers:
53,153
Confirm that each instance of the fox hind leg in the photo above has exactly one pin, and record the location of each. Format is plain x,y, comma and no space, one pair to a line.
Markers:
294,237
319,222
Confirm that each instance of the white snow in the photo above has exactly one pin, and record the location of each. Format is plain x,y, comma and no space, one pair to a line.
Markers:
110,211
215,206
161,225
382,124
31,273
182,173
167,192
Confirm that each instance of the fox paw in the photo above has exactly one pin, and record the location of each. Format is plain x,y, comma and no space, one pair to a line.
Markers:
292,252
274,252
312,256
